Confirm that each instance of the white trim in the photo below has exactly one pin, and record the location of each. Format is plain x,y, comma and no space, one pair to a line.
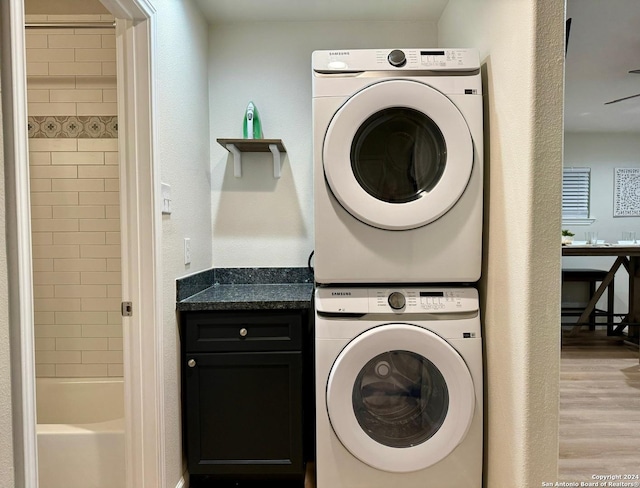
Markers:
182,483
344,375
134,10
140,226
141,273
18,232
430,205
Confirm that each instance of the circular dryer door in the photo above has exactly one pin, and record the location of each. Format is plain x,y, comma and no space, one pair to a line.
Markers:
398,154
400,398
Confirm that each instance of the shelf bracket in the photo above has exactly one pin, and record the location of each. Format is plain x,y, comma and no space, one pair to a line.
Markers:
237,160
237,146
276,160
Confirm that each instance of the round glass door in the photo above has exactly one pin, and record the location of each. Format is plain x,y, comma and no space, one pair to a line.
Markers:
398,155
400,398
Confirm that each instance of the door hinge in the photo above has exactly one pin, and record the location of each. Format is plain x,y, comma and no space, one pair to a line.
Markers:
127,309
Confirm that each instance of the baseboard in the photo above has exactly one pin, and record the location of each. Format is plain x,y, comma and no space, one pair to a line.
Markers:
182,483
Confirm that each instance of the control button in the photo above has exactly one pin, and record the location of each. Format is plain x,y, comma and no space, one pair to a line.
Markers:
397,58
396,300
337,65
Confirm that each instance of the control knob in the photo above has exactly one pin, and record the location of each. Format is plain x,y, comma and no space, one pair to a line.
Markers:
397,58
397,300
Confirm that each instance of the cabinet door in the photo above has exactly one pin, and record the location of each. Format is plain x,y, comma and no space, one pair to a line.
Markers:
244,414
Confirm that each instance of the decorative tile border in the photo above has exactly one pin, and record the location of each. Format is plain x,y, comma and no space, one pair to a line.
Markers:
73,127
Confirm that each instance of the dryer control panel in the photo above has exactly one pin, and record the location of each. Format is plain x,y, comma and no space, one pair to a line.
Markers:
396,300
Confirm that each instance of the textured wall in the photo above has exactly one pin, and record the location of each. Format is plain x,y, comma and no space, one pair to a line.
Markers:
521,45
75,198
182,115
258,220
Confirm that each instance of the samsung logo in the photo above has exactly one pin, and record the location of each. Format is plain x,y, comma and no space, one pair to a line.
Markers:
338,53
341,293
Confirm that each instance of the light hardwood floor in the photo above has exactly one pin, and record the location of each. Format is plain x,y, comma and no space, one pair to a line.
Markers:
599,407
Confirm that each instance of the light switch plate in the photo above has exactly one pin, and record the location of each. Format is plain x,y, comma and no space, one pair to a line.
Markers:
187,250
166,198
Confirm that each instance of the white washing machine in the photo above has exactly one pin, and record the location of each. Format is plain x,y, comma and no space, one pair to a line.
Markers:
398,388
398,141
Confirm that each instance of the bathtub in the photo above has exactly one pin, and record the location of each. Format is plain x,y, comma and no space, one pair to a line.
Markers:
80,432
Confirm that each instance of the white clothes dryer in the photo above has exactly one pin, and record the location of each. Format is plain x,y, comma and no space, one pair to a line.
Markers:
398,387
398,143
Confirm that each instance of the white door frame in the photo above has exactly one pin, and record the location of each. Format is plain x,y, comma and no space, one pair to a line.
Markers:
140,222
18,235
141,243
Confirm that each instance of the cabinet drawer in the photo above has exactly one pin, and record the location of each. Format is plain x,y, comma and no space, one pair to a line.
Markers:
243,331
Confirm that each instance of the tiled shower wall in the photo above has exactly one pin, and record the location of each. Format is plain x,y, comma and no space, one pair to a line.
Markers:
74,198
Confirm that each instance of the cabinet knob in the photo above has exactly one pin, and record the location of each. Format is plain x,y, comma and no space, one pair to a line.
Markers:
243,332
191,363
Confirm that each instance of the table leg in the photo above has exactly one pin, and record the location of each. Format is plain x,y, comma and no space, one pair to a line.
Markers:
596,296
634,297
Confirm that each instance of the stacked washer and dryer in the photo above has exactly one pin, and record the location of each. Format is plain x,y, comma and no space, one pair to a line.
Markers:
398,138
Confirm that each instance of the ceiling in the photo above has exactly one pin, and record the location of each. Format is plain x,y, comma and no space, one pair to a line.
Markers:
218,11
604,45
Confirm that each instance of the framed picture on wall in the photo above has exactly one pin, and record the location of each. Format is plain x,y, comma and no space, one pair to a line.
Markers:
626,194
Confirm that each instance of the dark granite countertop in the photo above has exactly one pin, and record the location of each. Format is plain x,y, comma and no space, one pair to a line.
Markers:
246,289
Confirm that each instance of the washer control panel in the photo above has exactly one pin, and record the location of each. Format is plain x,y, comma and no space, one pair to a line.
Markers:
396,300
395,59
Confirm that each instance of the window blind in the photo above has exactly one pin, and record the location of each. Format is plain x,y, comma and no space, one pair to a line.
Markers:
575,192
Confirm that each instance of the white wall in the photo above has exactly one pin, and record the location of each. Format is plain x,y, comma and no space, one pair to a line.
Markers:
602,153
183,158
258,220
521,45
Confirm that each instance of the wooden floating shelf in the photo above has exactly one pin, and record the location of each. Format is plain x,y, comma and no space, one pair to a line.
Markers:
238,146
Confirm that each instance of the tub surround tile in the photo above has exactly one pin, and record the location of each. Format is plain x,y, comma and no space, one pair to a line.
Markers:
45,370
100,331
35,41
82,344
70,40
246,289
43,291
81,370
115,370
58,331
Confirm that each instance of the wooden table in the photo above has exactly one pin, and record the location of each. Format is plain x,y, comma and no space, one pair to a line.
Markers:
627,256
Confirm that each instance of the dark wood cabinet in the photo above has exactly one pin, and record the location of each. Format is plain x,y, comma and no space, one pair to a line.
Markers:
243,390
